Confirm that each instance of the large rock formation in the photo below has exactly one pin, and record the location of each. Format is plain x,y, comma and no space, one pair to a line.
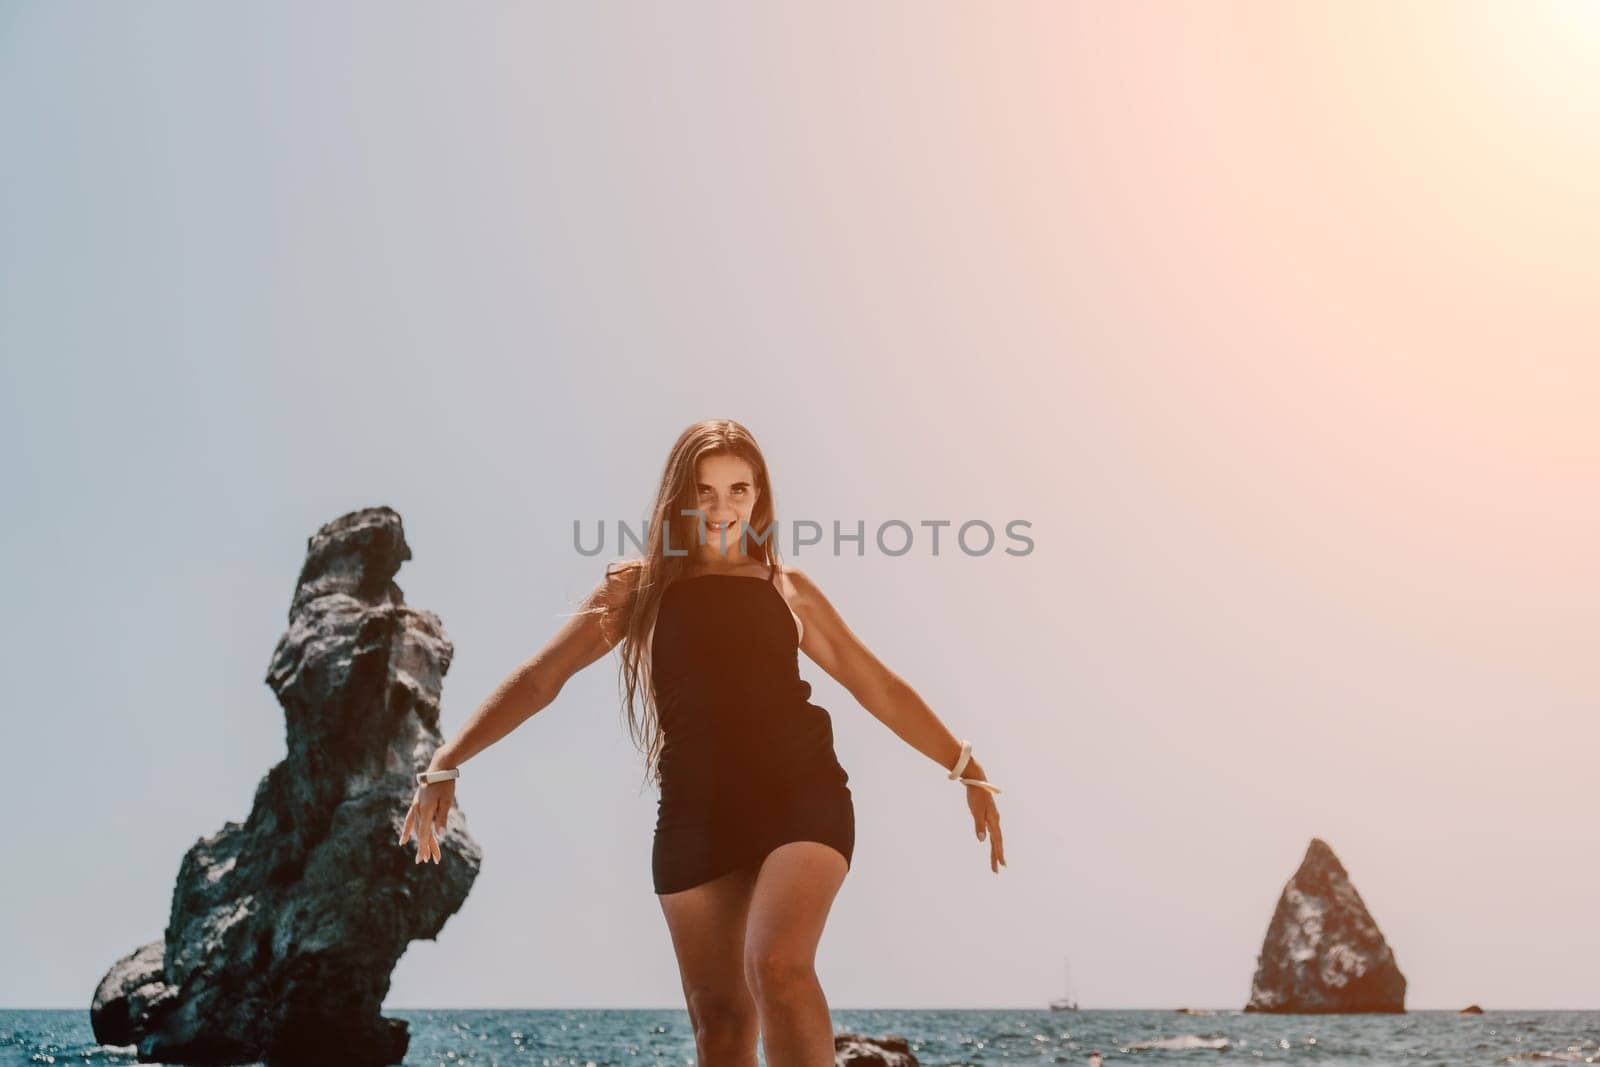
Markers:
1323,952
284,928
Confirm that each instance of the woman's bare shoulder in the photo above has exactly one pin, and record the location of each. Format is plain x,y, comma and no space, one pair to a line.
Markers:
621,580
629,568
797,584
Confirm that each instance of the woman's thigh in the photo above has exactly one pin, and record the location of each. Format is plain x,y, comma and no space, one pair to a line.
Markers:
707,924
789,904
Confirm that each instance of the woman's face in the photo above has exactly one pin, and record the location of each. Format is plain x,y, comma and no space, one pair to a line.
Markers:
727,496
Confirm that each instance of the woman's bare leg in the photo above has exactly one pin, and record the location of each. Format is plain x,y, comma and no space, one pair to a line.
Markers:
793,893
707,925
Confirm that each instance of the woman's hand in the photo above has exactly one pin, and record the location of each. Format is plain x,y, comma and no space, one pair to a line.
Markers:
430,810
986,821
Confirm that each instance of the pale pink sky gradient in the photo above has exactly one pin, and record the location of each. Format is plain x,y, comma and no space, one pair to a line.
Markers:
1277,321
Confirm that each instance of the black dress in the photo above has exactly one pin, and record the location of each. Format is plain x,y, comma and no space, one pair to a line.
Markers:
747,762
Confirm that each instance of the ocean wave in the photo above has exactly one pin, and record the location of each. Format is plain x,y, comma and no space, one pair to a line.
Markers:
1182,1041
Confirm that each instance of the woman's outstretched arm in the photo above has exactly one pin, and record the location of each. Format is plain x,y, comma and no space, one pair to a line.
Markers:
587,634
834,647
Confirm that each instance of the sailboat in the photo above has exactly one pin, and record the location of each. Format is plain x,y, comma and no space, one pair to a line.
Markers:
1066,1003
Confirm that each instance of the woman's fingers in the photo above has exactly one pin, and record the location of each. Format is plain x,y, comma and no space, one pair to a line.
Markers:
441,816
991,829
986,825
426,822
424,839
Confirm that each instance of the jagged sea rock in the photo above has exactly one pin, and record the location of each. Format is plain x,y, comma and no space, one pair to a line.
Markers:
127,993
284,928
1323,952
857,1050
1470,1009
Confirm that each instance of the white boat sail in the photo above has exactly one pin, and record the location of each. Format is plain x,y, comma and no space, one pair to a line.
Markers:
1067,1002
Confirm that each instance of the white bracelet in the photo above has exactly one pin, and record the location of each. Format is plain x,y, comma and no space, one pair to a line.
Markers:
429,777
961,763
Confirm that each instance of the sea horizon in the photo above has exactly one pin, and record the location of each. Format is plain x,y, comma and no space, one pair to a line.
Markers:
553,1037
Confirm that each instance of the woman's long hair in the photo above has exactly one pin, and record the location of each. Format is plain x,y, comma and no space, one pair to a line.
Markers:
634,587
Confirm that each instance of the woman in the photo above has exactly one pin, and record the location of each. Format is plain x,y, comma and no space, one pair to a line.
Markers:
755,826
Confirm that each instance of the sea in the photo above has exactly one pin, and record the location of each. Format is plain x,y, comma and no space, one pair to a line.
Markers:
598,1038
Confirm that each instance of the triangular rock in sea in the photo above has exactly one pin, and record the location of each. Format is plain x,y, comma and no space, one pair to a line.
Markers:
1323,951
